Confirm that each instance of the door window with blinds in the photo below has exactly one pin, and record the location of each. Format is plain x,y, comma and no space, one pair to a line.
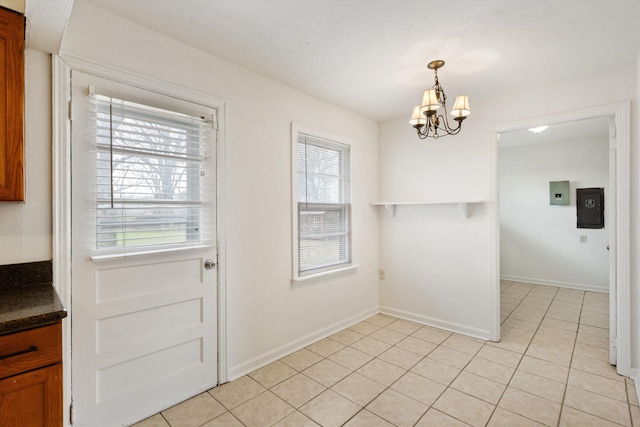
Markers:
322,226
151,165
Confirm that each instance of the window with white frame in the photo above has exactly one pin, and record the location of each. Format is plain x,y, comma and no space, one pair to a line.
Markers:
322,230
151,166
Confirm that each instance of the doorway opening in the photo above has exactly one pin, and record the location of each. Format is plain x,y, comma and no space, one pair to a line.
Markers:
545,261
539,174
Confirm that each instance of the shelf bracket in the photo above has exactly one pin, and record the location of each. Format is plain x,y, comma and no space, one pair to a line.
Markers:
464,207
391,208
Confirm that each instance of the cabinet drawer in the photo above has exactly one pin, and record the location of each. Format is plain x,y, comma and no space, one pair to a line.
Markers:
31,349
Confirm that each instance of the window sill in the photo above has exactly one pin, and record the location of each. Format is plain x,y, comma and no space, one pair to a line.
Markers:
324,274
151,252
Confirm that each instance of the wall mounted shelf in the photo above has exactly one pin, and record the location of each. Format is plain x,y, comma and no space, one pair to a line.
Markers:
391,206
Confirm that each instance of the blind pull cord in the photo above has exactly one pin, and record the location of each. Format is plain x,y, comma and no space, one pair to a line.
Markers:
111,149
306,176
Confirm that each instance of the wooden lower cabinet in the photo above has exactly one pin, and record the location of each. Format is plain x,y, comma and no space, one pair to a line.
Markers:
31,378
33,398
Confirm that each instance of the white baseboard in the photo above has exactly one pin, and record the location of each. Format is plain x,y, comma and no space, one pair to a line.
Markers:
437,323
534,281
261,360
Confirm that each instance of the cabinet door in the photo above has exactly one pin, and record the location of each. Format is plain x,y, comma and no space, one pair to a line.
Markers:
11,105
32,399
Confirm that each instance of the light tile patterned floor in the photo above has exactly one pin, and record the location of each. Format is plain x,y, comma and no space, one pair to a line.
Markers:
550,368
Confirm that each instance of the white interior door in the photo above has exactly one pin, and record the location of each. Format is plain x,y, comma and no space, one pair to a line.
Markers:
144,332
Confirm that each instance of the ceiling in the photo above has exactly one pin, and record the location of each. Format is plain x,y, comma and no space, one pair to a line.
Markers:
587,129
370,56
46,21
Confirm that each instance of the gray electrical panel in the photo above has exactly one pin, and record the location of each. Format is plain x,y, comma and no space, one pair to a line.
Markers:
559,193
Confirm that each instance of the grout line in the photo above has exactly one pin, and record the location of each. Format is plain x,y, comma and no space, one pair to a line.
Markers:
590,373
583,306
363,407
426,356
523,354
165,419
575,342
626,392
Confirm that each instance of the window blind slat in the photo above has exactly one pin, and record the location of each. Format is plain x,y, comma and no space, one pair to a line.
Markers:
324,209
156,154
150,176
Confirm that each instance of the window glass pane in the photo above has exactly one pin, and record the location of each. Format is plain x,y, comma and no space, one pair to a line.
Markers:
150,164
137,177
325,238
324,213
144,225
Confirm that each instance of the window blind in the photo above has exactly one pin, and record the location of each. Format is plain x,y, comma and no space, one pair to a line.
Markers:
152,183
324,205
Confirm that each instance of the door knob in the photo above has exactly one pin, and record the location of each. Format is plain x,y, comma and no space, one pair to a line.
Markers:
209,264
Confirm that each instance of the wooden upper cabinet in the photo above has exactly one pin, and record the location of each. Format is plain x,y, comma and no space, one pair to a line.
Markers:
11,105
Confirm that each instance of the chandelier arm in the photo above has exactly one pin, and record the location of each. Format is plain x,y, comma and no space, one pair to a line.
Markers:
435,123
423,132
449,129
423,135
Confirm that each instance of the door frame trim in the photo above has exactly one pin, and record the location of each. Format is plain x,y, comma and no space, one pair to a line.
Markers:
61,213
61,200
622,114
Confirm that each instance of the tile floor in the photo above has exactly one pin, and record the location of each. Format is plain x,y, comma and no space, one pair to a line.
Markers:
550,368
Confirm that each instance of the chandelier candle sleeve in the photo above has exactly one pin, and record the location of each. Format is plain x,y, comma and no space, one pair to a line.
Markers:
425,118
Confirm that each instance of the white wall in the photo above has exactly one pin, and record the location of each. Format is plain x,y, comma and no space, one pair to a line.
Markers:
267,317
539,242
25,228
441,260
435,261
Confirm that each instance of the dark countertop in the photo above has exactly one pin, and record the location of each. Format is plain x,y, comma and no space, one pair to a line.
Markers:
29,307
25,302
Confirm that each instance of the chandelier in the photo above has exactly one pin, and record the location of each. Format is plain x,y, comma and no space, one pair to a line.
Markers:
425,117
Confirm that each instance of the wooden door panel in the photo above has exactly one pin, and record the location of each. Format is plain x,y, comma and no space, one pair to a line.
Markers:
11,106
32,399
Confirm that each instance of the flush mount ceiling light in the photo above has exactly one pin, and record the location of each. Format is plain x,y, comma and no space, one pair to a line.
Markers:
538,129
425,117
